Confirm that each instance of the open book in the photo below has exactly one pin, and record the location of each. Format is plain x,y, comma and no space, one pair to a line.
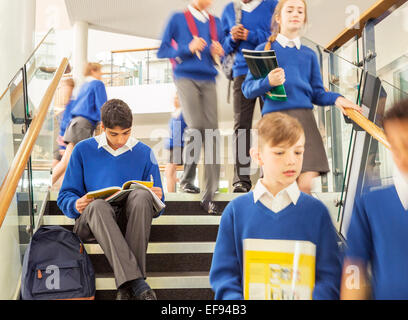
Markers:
117,194
279,269
260,63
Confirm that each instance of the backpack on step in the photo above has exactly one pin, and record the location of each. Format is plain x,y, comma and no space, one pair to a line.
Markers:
56,266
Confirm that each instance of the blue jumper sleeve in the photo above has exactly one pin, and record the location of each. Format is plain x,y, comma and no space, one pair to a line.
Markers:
152,171
226,273
328,262
320,97
359,237
253,88
166,49
229,45
73,186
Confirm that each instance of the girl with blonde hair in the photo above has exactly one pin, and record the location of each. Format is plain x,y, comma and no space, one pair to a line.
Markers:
299,72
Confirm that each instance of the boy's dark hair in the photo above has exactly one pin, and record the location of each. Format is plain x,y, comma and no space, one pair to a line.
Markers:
116,113
398,111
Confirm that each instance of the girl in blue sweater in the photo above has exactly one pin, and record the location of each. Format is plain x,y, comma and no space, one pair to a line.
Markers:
300,73
85,114
198,36
175,145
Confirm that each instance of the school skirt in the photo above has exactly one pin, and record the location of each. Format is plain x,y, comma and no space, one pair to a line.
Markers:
314,158
78,129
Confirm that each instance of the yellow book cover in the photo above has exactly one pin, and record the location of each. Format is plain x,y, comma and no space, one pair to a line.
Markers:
279,269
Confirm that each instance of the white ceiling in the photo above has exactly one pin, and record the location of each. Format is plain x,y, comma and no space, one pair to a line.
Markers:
327,18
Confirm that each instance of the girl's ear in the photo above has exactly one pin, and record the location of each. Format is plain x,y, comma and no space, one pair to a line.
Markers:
256,156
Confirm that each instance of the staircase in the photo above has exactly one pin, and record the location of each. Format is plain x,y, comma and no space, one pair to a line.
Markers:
179,253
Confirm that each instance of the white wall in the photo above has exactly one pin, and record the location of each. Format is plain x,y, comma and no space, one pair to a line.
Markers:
17,21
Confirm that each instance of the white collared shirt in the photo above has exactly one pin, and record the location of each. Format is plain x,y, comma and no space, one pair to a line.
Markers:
279,202
90,78
103,143
199,15
286,42
250,6
401,185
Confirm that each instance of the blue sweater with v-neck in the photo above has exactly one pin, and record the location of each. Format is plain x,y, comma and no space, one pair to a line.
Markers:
308,220
91,168
378,236
188,65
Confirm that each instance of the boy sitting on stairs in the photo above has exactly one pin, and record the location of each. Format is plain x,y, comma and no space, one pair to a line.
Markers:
123,229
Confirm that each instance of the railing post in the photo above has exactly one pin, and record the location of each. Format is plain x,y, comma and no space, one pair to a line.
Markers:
27,122
364,144
111,69
336,135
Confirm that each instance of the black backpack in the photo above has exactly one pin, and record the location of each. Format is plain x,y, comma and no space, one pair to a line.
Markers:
56,266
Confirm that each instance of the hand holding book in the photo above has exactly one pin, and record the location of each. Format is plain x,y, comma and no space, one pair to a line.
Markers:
276,77
82,203
265,64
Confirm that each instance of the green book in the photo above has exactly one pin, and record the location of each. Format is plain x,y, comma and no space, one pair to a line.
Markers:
260,63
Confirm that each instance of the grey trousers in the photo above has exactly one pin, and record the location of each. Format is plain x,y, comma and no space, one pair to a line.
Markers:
198,100
243,115
122,232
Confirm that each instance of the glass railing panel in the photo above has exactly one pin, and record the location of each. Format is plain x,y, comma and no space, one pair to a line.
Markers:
379,166
14,104
342,76
45,146
40,69
137,68
13,232
391,43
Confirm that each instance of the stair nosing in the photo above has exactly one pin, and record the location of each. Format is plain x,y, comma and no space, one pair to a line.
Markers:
164,248
176,280
162,220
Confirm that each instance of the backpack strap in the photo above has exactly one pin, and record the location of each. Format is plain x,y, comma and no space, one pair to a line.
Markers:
213,28
193,27
191,23
172,60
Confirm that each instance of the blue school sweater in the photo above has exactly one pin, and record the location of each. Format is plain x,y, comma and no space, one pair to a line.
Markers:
258,22
177,126
90,169
309,220
188,65
89,101
303,85
66,117
378,234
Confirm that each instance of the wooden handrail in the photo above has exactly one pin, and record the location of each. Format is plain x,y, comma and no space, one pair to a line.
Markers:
379,9
134,50
376,132
10,183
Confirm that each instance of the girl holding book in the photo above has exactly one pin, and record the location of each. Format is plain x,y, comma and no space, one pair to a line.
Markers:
299,72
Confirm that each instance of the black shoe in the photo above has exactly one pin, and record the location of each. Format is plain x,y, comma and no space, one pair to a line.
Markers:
124,294
241,187
190,188
209,207
146,295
